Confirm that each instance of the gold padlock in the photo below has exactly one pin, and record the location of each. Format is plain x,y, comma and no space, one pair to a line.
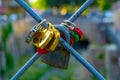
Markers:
43,36
53,43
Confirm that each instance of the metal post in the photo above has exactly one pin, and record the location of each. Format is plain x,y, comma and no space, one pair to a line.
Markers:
26,66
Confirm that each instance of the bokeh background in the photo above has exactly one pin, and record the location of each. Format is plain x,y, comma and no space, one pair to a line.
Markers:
100,45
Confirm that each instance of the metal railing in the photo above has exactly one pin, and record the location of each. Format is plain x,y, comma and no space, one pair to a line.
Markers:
62,41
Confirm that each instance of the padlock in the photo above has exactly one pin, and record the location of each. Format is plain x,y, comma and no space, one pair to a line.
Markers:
58,58
33,30
41,51
71,39
75,36
72,26
31,33
43,36
53,43
78,31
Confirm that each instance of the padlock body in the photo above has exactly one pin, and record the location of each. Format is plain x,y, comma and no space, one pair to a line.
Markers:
53,43
58,58
42,38
74,35
78,31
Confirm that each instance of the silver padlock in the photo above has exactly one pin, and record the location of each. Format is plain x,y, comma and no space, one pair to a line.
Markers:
33,30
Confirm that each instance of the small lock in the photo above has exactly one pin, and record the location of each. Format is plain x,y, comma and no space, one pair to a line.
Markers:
43,37
33,31
75,36
78,31
41,51
71,39
53,43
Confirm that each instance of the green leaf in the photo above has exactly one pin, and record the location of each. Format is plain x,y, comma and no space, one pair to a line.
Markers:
101,56
9,61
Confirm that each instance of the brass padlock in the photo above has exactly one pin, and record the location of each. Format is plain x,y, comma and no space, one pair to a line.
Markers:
53,43
43,36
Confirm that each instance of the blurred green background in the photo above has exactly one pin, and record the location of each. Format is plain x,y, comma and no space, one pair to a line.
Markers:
98,46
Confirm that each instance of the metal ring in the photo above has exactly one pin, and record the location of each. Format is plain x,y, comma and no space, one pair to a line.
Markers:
71,23
64,24
68,24
44,20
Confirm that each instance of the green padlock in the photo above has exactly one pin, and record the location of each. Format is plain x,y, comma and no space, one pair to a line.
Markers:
74,35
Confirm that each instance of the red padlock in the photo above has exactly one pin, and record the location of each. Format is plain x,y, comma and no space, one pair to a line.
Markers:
41,51
71,39
79,31
63,36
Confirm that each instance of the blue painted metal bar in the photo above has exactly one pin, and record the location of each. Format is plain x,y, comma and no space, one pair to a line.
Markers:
26,66
24,5
80,10
81,59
